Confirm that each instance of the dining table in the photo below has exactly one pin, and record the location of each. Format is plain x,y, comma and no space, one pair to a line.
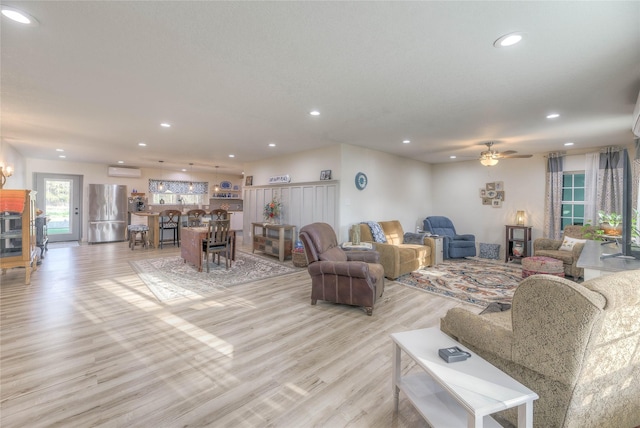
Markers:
191,246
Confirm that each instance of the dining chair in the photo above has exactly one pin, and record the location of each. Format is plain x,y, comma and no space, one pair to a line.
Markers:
170,220
218,242
219,214
194,217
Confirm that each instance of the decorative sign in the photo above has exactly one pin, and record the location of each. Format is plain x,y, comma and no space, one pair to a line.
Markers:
280,179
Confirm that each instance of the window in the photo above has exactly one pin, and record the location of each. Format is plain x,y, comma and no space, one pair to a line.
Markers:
572,199
179,192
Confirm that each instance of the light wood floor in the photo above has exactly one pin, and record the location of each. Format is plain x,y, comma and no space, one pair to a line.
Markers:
87,344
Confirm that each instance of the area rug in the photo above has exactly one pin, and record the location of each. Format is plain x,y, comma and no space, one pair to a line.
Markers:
477,282
170,277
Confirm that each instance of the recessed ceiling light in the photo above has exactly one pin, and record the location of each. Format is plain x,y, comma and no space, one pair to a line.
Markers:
272,144
553,116
508,40
165,125
314,113
568,143
120,161
406,141
59,150
142,144
62,156
452,157
232,156
18,16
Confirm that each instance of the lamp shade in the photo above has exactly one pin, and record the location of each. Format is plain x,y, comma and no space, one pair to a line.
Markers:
488,161
520,218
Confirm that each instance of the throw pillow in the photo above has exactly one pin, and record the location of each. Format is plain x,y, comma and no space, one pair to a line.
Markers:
376,231
334,254
414,238
569,243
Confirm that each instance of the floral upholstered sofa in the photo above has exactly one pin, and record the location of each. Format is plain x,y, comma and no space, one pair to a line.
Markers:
401,252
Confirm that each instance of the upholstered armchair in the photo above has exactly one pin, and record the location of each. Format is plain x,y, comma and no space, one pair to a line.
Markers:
454,245
576,345
349,277
570,253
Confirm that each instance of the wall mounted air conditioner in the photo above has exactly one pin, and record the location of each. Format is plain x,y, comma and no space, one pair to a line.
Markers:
115,171
635,124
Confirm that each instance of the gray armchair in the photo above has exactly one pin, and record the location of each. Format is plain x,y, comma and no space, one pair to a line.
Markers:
575,345
454,245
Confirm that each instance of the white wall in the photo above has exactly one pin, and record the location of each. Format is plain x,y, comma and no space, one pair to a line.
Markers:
9,156
398,189
456,195
302,167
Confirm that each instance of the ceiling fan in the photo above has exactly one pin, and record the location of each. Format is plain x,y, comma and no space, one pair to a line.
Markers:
490,157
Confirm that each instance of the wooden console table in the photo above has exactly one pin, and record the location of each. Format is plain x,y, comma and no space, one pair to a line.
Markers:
271,243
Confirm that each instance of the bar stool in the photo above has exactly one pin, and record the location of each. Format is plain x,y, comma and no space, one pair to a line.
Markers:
170,220
133,230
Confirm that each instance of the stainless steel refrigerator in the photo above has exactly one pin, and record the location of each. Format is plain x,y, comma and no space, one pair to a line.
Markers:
108,205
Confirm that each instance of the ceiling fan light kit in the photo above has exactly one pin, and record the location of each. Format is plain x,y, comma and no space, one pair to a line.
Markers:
491,157
488,160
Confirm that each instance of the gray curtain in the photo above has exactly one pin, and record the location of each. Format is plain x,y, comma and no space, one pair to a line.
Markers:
636,174
553,204
610,178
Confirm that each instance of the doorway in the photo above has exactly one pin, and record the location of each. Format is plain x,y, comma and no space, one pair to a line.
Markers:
60,197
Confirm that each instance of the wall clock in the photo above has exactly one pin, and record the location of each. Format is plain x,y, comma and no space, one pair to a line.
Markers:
361,180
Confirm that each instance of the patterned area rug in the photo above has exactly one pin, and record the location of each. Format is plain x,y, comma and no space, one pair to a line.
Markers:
170,278
470,281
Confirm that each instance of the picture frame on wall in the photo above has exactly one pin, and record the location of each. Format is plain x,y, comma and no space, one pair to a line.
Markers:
487,201
499,186
483,193
496,203
491,186
325,174
500,195
248,181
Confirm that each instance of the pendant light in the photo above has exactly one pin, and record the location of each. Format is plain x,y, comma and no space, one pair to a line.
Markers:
217,185
161,185
191,177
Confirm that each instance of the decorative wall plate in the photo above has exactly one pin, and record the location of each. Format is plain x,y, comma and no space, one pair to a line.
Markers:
361,180
491,193
226,185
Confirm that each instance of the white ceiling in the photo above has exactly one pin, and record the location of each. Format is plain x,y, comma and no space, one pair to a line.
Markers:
95,78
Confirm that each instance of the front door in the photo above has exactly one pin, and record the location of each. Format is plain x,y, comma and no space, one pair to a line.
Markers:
60,197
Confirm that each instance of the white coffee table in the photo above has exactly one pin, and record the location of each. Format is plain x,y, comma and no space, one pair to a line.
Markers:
455,394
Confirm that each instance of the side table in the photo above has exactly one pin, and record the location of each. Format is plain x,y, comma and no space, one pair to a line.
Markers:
456,394
438,244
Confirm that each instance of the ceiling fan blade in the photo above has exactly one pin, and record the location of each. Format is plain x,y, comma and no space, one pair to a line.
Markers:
516,156
508,152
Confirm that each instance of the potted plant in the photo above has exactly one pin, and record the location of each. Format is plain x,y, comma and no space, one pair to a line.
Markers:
610,223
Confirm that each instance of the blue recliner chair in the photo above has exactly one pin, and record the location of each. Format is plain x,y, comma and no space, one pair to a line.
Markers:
455,246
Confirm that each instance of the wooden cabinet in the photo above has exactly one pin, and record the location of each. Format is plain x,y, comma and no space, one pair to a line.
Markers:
18,231
274,240
518,243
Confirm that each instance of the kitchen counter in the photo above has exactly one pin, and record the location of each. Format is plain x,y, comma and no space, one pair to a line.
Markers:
152,219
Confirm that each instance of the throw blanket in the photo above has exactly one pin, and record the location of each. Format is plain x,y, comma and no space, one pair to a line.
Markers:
414,238
376,231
